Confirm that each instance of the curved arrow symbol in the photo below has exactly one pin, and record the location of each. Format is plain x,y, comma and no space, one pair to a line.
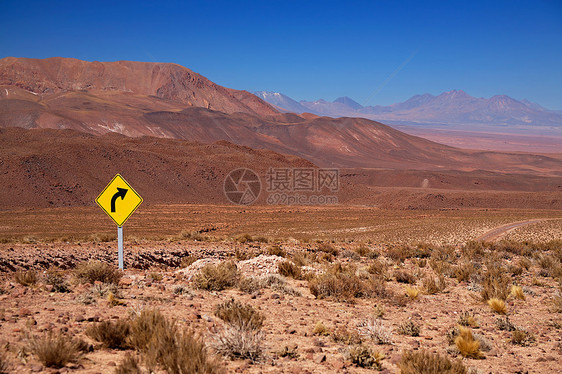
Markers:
121,192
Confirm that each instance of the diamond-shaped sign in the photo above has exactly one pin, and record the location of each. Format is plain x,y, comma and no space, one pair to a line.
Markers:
119,200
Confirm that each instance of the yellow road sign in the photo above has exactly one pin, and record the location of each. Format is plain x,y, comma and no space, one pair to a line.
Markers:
119,200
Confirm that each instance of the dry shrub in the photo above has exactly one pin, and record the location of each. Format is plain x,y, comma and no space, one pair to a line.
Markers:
129,365
26,278
320,329
239,342
404,276
424,362
217,277
54,277
97,271
242,336
250,284
289,269
54,350
365,357
276,250
505,324
412,292
244,238
440,267
432,286
522,337
186,353
377,268
187,261
464,271
111,334
409,328
497,305
342,287
235,313
517,292
376,330
328,248
364,251
466,344
160,342
495,283
345,336
145,327
467,319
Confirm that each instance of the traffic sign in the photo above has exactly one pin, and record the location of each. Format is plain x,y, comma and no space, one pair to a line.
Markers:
119,200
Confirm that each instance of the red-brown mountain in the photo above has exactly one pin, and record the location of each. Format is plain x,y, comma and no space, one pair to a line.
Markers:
167,100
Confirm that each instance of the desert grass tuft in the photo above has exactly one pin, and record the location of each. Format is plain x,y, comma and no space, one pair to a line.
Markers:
217,277
376,330
235,313
345,336
289,269
320,329
522,337
112,335
129,365
424,362
466,344
412,292
432,286
97,271
365,357
409,328
517,292
467,319
54,350
497,305
26,278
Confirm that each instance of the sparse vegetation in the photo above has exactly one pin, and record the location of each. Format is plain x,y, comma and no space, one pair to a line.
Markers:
517,292
344,336
111,334
409,328
235,313
97,271
217,277
364,356
467,319
466,344
54,350
320,329
497,305
289,269
26,278
522,337
54,277
432,286
412,292
376,330
424,362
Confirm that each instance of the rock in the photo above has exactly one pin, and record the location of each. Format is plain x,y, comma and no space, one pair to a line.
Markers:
24,312
320,358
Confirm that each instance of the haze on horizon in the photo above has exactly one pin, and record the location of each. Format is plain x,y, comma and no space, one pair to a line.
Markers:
374,52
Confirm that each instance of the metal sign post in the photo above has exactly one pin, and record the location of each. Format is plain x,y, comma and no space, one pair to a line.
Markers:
120,245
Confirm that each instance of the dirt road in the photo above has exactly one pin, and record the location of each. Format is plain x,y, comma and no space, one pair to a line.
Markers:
501,230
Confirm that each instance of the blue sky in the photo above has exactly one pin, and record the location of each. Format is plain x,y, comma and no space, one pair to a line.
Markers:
377,52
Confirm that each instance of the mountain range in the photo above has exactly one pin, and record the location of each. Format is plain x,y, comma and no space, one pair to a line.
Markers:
171,101
454,108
